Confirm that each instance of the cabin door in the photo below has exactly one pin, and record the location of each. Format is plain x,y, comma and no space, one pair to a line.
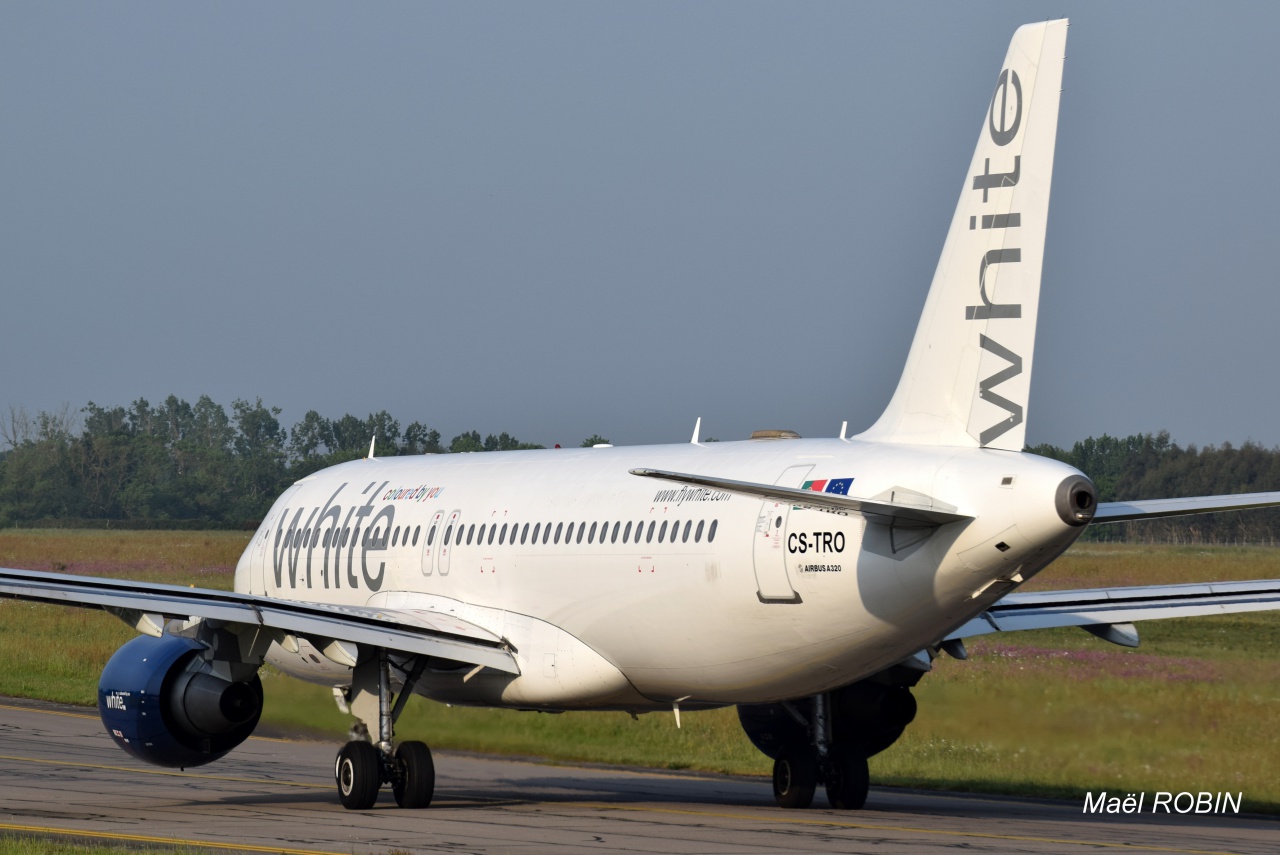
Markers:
431,545
452,535
772,584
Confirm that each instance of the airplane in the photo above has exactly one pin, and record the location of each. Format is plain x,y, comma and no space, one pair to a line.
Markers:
808,582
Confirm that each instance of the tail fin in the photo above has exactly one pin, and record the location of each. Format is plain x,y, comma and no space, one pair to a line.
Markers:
969,370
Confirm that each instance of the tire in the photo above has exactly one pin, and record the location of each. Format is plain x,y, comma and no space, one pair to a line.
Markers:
358,771
416,781
848,780
795,777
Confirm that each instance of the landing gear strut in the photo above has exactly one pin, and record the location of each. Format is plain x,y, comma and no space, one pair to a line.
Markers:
799,766
362,768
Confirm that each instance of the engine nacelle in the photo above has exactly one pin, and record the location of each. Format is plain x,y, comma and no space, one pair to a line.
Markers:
160,702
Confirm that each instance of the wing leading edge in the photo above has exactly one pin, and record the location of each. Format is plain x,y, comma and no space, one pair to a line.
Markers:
1097,608
1109,512
421,633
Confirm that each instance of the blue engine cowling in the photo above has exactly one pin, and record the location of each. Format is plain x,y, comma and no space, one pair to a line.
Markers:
160,702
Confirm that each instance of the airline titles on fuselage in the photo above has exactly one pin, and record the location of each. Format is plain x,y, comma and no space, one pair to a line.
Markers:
338,545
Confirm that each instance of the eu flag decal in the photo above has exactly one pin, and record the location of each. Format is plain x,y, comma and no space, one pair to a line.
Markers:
839,486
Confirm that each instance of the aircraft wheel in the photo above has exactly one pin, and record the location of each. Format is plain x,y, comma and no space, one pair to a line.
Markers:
416,782
848,780
795,776
358,770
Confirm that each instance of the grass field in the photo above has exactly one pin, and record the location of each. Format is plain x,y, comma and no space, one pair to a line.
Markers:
1054,712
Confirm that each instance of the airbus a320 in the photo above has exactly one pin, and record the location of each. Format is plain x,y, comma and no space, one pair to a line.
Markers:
808,582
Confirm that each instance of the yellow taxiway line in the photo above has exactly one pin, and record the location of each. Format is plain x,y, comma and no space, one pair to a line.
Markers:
170,841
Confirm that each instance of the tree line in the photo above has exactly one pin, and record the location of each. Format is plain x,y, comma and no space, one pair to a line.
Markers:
1152,466
184,465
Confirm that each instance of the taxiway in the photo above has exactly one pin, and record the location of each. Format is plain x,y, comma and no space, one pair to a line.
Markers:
61,776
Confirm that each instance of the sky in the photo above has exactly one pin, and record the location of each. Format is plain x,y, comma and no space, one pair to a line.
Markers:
565,219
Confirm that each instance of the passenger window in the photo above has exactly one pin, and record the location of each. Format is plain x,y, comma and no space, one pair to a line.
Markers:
325,541
431,535
711,532
649,537
675,530
613,538
355,535
536,528
559,528
640,530
448,533
493,529
395,538
626,534
697,533
524,534
471,532
662,532
417,530
582,529
687,525
568,534
502,535
591,537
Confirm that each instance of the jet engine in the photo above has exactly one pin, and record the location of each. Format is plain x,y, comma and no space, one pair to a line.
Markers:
162,702
866,715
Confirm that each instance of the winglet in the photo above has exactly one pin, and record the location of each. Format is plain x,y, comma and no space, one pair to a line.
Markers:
373,439
697,428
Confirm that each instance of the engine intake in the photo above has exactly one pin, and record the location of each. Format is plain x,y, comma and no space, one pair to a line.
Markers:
160,702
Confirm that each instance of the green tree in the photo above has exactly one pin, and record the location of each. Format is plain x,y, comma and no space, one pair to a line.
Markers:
469,441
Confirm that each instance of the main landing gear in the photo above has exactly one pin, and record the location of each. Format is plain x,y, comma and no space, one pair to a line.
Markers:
362,768
800,765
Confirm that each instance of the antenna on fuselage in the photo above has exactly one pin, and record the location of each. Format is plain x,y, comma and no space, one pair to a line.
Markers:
372,440
697,428
844,427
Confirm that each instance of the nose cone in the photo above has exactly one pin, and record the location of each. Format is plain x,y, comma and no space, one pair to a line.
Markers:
1076,500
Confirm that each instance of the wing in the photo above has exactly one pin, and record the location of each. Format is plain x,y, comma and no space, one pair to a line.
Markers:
148,606
1110,612
894,513
1152,508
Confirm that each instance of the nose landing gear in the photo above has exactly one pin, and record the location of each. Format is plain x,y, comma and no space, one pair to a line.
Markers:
362,768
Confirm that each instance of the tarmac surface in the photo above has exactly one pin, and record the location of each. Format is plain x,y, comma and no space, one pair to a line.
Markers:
63,778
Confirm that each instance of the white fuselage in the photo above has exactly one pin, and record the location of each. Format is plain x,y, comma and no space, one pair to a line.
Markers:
661,593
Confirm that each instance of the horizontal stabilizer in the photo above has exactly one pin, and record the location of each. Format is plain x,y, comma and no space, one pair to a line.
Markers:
1109,512
437,635
1118,606
890,513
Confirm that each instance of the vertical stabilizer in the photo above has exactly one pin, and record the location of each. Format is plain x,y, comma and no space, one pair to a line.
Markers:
969,370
